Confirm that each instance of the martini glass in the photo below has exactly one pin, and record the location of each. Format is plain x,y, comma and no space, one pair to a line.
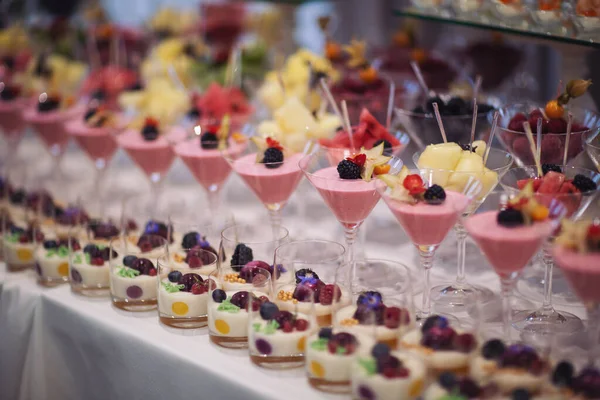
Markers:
207,163
546,319
509,250
12,123
584,279
460,293
428,225
351,201
591,142
272,182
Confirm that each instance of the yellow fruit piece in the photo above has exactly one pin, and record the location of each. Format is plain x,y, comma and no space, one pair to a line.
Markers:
554,110
442,156
180,308
382,169
416,388
301,344
317,369
24,255
222,327
63,269
540,213
480,147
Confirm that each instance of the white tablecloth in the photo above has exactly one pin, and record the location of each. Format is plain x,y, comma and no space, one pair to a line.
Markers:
56,345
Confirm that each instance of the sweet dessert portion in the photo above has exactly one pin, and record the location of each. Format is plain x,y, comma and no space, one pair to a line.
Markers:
509,367
572,384
371,316
577,253
554,127
194,253
244,268
89,268
300,77
459,163
330,356
104,85
217,102
133,281
348,189
277,336
388,375
52,260
64,219
311,295
425,213
204,155
272,173
294,124
19,247
440,346
94,132
150,146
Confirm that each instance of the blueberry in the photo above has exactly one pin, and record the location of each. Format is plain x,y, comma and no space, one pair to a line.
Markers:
520,394
492,349
380,350
128,260
268,310
325,333
563,374
50,244
92,249
174,276
434,320
190,240
219,295
447,380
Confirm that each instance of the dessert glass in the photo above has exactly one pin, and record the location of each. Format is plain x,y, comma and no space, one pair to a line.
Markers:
547,319
133,281
183,290
228,315
19,243
592,147
52,257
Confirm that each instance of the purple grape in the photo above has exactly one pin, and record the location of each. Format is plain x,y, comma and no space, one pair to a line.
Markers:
365,393
263,347
283,316
143,265
251,269
135,292
38,269
240,299
76,276
188,281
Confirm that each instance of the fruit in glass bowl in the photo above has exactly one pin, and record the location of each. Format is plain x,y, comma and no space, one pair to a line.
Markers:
554,132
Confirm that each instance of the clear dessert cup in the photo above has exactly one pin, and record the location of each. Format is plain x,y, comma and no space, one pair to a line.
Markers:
423,128
553,144
351,201
248,245
427,225
229,311
89,251
52,257
203,235
312,264
460,293
207,162
273,182
509,249
381,303
547,319
183,288
133,273
277,337
19,243
592,147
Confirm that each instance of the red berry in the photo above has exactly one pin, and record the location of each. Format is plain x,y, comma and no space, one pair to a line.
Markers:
557,126
389,372
301,325
594,231
145,247
99,261
536,114
464,343
152,272
326,294
402,372
359,159
287,327
194,262
533,123
391,317
198,288
552,150
75,246
519,117
516,126
414,184
256,305
210,284
263,299
23,239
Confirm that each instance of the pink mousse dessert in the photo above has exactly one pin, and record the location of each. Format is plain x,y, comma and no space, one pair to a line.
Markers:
577,253
151,147
11,110
94,133
270,173
48,117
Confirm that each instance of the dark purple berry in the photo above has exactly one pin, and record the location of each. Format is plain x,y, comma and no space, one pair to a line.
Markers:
268,310
434,320
369,298
469,388
325,333
188,280
219,295
143,265
282,317
305,273
242,255
76,276
365,393
493,349
448,381
563,374
380,350
175,276
263,347
134,292
128,260
240,299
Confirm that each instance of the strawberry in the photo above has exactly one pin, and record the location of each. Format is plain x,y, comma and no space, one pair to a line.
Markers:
414,184
272,143
359,159
150,121
594,231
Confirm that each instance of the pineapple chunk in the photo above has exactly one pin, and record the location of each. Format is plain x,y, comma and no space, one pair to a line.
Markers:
443,156
470,164
489,180
481,146
294,117
267,128
329,123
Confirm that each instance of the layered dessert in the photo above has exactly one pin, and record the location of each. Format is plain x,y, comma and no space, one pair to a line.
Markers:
348,189
509,367
449,384
52,260
587,15
94,133
311,295
19,247
151,146
568,383
244,268
388,375
277,337
270,173
64,219
440,346
371,316
133,283
329,357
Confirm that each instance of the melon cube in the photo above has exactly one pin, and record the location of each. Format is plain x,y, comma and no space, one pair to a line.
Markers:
551,182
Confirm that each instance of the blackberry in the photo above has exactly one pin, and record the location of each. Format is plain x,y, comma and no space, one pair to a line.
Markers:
563,374
150,133
387,146
242,255
190,240
435,195
305,273
273,158
348,170
468,147
456,106
520,394
9,93
551,167
584,184
89,113
209,141
49,105
492,349
510,218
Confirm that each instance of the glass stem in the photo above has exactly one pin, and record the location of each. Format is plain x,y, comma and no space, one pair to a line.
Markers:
214,199
156,186
275,215
593,312
426,262
350,233
100,174
506,288
461,238
548,261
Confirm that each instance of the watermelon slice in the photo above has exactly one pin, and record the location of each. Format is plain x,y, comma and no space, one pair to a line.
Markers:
536,183
551,182
375,129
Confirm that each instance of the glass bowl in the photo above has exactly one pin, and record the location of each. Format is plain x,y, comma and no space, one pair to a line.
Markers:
592,147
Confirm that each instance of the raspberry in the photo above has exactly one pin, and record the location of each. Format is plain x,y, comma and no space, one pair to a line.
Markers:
209,141
510,218
557,126
584,184
301,325
326,295
348,170
391,317
198,288
287,327
273,158
99,261
435,195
